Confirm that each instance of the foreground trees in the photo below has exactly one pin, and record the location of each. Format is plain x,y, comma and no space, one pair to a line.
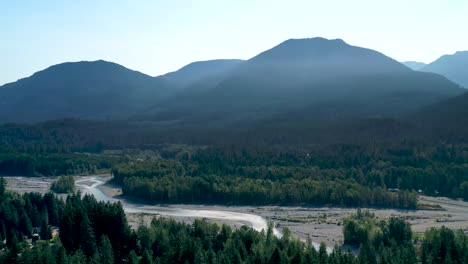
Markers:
97,232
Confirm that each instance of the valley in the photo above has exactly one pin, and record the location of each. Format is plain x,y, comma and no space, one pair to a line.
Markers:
243,132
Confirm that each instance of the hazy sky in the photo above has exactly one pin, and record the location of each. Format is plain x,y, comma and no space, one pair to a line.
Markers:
155,37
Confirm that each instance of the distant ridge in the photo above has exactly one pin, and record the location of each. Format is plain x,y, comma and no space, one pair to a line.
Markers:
454,67
197,71
414,65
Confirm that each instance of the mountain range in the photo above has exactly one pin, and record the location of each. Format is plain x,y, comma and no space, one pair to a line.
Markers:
327,79
300,79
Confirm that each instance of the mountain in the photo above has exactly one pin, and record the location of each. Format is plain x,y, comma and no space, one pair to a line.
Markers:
200,70
320,78
454,67
87,89
414,65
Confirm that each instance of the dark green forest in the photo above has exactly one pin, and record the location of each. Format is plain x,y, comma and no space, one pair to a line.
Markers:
343,175
98,232
53,164
379,174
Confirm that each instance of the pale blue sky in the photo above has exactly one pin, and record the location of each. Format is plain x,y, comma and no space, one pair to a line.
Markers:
155,37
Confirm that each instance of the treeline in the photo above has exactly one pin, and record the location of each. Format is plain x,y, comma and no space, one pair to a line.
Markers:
348,175
73,135
97,232
53,164
436,169
246,191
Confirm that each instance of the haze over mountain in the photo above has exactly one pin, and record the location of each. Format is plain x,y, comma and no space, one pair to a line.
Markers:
314,79
454,67
328,77
200,70
415,65
95,89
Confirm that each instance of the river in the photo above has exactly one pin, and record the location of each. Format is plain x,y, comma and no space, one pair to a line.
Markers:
256,222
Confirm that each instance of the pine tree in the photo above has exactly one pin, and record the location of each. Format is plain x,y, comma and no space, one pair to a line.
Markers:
67,232
87,241
146,258
2,230
45,228
61,256
25,224
275,257
105,251
323,256
2,187
133,258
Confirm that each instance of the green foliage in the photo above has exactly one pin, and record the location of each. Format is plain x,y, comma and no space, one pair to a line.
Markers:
344,175
443,245
361,228
380,241
106,252
19,214
364,228
65,184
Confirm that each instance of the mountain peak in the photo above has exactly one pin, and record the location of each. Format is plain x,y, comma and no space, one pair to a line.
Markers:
324,58
316,40
102,63
317,43
86,69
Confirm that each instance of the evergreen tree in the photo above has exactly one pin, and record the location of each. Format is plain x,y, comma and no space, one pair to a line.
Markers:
61,256
105,251
2,187
46,233
146,258
275,258
87,239
322,254
133,258
2,230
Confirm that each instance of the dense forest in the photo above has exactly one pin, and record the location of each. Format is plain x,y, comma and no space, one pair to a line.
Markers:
53,164
344,175
97,232
293,130
381,174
